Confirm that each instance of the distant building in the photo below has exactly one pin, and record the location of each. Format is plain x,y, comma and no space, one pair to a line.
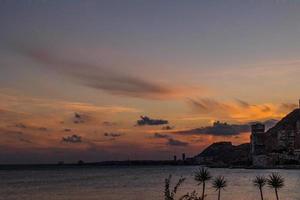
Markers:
257,139
279,145
175,158
80,162
183,157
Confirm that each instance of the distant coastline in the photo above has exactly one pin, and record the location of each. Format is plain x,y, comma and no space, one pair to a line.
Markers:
132,163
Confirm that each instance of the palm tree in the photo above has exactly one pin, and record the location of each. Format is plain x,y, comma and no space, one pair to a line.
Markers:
170,195
260,182
201,176
275,181
219,183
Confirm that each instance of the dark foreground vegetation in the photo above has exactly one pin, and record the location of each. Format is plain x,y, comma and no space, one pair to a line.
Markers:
203,177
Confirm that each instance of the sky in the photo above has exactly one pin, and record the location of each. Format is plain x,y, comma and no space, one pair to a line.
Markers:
136,79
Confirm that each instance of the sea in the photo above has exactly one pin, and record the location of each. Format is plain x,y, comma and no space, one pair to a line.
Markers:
133,183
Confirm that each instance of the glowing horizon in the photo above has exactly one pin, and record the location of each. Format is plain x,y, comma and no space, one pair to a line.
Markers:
77,77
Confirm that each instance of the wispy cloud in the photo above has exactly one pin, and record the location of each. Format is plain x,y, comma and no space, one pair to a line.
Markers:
239,110
100,78
160,136
175,142
170,140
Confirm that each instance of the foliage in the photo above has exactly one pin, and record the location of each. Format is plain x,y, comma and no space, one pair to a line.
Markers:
219,183
275,181
170,194
191,196
202,175
259,181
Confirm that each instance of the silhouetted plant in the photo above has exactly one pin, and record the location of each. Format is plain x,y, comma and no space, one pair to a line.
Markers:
276,182
219,183
170,194
201,176
191,196
260,182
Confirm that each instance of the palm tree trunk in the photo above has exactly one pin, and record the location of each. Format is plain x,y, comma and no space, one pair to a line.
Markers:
203,189
261,194
276,194
219,194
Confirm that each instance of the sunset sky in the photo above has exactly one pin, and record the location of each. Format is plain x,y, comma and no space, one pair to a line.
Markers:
76,76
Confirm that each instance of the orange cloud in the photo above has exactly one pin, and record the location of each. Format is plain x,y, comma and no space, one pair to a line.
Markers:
239,110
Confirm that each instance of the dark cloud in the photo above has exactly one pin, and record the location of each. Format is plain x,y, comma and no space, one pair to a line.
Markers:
98,77
20,125
23,126
67,130
170,141
225,129
167,128
219,129
107,123
72,139
78,118
42,129
126,86
81,118
25,140
113,135
151,122
174,142
243,103
159,135
16,135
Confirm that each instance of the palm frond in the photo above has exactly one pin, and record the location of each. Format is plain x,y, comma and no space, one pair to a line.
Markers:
275,180
259,181
219,183
202,175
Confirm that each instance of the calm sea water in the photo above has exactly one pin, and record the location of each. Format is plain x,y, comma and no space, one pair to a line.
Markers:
131,183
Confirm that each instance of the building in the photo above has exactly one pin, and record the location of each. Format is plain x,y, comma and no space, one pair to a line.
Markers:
279,145
257,139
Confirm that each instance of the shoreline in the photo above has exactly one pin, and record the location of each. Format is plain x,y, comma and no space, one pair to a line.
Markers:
135,164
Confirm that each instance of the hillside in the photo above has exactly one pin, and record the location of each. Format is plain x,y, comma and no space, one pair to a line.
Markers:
224,154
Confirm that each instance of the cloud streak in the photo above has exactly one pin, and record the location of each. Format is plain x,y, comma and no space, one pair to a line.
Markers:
160,136
100,78
174,142
239,110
